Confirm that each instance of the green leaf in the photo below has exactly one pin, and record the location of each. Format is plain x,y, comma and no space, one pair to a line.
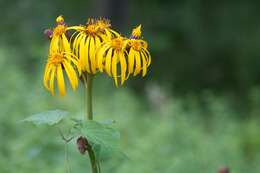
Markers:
103,139
49,117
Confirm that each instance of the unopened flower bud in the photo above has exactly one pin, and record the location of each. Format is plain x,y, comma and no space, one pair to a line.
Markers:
82,144
60,20
136,33
48,33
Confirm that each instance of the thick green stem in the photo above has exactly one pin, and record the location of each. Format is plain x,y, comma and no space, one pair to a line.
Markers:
88,87
88,82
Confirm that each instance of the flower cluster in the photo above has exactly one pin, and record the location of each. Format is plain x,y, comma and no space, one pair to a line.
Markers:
92,48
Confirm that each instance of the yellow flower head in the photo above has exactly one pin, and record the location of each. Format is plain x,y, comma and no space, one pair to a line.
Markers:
136,33
139,58
88,39
59,41
57,62
112,57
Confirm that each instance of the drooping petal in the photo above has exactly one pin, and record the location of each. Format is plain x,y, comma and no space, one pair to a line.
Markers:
66,43
137,63
131,60
52,80
144,62
75,61
71,74
82,52
108,61
60,81
114,67
46,76
87,59
54,45
123,67
100,56
75,43
97,42
148,55
92,55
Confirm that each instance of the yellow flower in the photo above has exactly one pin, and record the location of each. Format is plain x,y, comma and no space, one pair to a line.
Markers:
59,41
112,57
88,39
57,61
139,58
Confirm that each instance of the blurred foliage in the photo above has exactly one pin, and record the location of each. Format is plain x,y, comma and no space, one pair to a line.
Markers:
190,117
159,134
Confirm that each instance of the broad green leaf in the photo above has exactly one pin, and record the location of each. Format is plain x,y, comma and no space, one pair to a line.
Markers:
107,122
49,117
103,139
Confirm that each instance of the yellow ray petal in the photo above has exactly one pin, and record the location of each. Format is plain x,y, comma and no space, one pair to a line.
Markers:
148,56
75,43
77,28
66,43
71,75
108,34
137,63
46,76
100,56
60,81
114,33
82,51
123,67
97,42
114,67
76,63
87,59
131,60
108,61
144,62
54,45
52,80
92,55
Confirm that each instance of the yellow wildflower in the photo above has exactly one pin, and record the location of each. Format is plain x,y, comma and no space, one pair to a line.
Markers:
139,58
112,55
57,61
88,39
59,41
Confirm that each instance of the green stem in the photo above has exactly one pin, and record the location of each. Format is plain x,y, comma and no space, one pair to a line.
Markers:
88,87
93,160
88,82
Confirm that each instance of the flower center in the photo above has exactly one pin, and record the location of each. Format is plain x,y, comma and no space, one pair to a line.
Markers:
56,58
136,45
59,30
117,43
91,29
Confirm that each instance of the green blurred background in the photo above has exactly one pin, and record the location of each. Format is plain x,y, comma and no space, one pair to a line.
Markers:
197,110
